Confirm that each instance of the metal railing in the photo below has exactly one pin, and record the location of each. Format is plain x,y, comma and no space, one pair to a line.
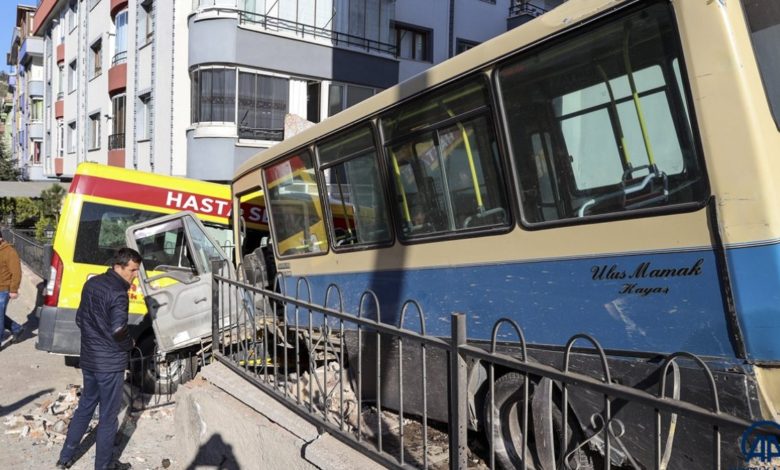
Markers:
119,58
524,7
34,253
116,141
304,30
408,399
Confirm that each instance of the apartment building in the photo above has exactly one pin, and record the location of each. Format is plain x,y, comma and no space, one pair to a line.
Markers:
26,123
196,87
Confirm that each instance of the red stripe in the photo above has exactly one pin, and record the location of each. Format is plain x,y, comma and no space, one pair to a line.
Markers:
149,195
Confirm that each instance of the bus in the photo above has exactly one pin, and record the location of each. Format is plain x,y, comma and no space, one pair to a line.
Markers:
101,203
608,168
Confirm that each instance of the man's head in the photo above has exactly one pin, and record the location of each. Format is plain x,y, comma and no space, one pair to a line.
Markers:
126,263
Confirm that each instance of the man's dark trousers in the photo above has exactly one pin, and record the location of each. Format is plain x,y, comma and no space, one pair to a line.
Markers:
104,388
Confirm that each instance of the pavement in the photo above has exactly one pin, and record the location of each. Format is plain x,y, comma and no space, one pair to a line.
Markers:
216,421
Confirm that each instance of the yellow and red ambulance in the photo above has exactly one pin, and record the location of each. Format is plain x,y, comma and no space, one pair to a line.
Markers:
101,203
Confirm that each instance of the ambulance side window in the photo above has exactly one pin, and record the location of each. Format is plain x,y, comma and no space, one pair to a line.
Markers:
101,231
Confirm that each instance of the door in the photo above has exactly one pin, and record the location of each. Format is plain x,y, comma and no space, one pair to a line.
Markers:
176,276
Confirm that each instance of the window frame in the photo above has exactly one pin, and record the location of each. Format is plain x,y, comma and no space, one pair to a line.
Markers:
258,75
73,68
71,138
383,181
96,58
94,131
398,27
565,37
309,148
489,111
196,107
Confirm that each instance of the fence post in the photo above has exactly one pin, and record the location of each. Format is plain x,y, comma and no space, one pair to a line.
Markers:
458,394
216,266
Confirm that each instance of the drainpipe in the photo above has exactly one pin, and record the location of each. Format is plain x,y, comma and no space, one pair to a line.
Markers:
452,28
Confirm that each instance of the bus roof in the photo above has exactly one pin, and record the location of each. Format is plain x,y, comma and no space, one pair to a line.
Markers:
564,16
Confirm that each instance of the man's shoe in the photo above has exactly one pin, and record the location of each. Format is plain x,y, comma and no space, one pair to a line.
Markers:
61,465
120,466
18,335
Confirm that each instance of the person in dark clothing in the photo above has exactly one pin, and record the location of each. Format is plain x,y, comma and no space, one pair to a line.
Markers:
105,351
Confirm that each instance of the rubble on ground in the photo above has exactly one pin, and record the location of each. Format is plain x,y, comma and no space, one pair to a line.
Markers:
47,420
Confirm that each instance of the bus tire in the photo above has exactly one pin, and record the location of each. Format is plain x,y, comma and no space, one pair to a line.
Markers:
159,378
507,433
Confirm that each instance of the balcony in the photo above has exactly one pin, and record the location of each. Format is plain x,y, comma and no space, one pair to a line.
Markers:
117,78
61,53
119,58
59,108
117,6
523,11
35,88
31,47
116,141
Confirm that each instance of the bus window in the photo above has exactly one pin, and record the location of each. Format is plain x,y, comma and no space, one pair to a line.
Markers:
444,159
763,18
599,124
358,210
295,210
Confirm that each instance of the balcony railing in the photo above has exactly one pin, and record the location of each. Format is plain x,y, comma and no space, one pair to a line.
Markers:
246,132
60,95
303,30
522,7
119,58
116,141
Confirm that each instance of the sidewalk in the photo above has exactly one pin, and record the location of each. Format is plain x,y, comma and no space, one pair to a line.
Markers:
217,421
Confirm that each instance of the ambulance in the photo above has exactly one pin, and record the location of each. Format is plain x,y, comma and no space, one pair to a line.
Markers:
102,202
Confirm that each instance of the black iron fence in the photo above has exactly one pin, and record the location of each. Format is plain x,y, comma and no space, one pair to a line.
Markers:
119,58
525,7
36,254
116,141
304,30
411,400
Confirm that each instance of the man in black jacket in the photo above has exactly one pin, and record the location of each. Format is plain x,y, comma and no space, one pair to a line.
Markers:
105,347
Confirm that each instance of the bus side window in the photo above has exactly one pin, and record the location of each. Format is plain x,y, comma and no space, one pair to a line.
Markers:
356,200
606,133
444,156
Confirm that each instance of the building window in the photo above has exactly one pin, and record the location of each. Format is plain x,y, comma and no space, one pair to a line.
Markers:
148,20
262,105
94,131
214,95
144,116
72,76
462,45
342,96
72,137
36,110
96,56
60,82
72,9
60,139
117,138
412,42
36,156
120,40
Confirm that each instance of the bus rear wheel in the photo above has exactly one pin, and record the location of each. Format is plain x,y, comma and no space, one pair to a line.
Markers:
506,433
161,377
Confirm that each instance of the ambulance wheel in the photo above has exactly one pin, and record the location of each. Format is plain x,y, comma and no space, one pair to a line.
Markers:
156,377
